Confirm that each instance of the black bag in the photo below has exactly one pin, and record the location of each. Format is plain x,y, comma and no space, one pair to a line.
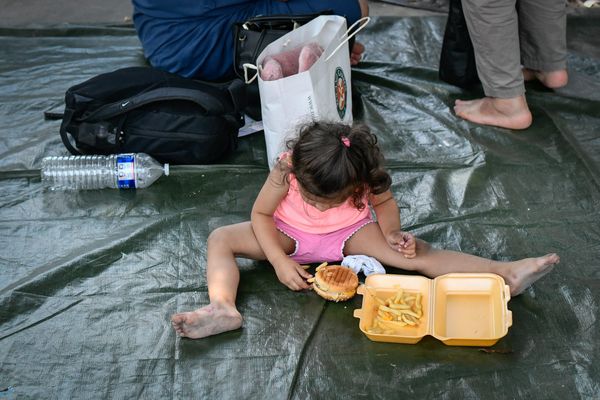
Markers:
252,36
250,39
457,60
142,109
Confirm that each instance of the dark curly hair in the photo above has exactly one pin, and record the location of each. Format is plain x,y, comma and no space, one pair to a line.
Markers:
327,167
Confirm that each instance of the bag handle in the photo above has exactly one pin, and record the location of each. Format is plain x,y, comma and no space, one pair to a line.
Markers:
366,21
248,66
164,93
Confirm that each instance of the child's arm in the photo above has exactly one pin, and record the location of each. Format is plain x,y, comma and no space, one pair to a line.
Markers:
388,218
289,272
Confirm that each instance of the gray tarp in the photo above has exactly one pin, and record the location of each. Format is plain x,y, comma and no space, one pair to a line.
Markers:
88,280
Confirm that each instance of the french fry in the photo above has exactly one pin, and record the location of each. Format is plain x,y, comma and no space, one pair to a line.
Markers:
381,302
398,296
384,315
393,324
399,311
322,265
411,313
400,306
374,296
386,308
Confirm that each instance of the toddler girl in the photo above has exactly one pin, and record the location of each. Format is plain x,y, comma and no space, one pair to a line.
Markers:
314,207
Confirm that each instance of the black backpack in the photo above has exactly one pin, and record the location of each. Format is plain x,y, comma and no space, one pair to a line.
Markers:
142,109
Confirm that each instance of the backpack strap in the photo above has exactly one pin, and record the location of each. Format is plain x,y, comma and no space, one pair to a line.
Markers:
67,116
204,100
237,91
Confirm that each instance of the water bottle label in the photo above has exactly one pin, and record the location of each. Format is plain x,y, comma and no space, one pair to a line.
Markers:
126,171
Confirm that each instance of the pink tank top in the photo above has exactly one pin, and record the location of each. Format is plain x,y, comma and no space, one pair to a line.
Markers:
294,211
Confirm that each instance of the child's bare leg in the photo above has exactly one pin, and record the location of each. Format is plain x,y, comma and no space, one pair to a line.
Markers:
519,275
223,277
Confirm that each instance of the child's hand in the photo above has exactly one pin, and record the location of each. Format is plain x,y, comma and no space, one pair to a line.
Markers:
404,242
292,275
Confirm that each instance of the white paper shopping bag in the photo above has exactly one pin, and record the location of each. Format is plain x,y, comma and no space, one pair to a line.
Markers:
322,93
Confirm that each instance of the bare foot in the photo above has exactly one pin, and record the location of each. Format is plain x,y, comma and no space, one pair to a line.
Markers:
510,113
357,51
552,79
524,273
206,321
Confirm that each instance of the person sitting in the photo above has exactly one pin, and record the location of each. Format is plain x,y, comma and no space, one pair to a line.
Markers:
194,38
315,206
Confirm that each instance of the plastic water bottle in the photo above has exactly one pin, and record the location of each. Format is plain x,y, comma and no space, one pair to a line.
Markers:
122,171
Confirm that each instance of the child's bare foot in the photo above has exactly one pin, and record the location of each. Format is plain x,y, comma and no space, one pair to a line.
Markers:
552,79
510,113
524,273
206,321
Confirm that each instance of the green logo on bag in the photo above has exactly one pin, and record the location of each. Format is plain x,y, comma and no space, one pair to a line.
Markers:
341,91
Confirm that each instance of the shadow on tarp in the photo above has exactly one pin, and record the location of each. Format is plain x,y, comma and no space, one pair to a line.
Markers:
89,279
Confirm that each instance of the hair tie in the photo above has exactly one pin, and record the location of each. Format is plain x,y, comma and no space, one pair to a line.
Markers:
345,141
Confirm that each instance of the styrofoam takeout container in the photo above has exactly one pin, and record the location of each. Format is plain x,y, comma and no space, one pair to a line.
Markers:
460,309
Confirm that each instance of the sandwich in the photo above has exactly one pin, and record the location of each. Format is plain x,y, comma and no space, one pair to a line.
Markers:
335,282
